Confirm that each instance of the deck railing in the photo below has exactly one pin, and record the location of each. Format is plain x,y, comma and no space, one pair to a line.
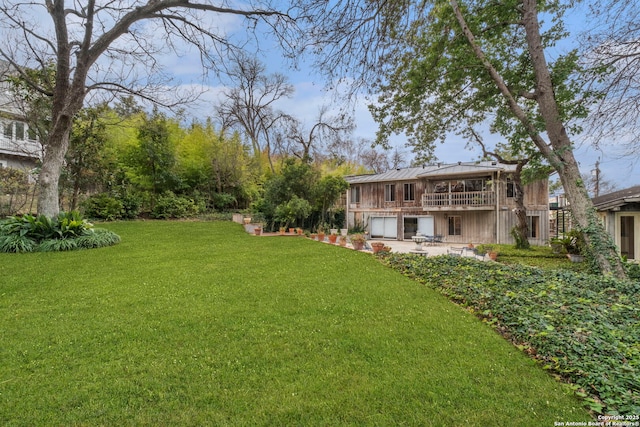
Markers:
27,148
470,198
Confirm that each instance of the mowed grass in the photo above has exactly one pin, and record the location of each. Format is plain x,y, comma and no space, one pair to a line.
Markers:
199,323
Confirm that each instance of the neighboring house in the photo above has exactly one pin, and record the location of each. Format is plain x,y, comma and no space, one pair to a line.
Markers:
620,212
463,202
18,146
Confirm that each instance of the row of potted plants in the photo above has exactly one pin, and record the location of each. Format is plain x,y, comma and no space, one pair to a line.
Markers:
357,240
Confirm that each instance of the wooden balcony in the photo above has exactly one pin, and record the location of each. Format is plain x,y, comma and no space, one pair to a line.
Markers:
472,200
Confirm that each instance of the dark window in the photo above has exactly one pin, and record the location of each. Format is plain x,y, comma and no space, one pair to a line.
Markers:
390,193
534,226
441,187
8,130
455,226
355,194
409,192
510,189
474,184
19,131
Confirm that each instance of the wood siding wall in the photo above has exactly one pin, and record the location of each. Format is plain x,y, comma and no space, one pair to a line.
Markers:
477,226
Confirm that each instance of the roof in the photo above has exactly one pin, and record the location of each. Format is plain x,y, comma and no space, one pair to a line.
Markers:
433,171
617,198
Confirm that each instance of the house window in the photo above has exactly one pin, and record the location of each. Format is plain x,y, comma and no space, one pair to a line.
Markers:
441,187
389,192
355,194
533,222
457,186
8,130
474,184
409,192
510,188
31,134
455,226
20,131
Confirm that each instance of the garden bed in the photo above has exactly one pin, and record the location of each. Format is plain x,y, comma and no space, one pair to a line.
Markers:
583,328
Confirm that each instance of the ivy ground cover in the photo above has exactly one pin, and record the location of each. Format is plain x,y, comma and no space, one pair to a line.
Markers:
199,323
582,327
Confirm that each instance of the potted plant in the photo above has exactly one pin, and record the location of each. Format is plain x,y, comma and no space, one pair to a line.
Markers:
257,230
321,234
299,230
377,246
342,240
332,238
282,230
357,241
247,220
575,245
556,245
489,250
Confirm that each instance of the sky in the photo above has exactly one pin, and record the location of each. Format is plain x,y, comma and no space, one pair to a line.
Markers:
619,169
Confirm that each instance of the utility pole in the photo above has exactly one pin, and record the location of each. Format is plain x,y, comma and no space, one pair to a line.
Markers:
596,174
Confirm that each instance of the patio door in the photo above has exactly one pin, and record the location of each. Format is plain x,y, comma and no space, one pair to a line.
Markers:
384,227
425,225
627,237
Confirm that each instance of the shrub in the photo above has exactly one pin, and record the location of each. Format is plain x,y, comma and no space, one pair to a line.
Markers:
57,245
67,231
104,207
131,204
223,201
171,206
97,239
16,244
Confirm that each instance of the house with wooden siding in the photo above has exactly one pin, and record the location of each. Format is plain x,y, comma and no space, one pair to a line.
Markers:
19,147
462,202
620,213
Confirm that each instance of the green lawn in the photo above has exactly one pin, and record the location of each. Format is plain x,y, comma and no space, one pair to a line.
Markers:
199,323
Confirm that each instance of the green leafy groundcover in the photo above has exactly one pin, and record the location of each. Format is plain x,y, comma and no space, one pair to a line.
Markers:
583,327
39,233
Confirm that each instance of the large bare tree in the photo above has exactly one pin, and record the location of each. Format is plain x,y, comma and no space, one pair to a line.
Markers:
326,131
611,45
249,103
115,46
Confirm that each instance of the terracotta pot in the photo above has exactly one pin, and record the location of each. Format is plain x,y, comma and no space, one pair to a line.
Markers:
358,246
257,231
321,237
292,230
333,238
377,247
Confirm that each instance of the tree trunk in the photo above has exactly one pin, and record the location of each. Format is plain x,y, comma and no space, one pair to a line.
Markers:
48,195
602,250
559,151
521,231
